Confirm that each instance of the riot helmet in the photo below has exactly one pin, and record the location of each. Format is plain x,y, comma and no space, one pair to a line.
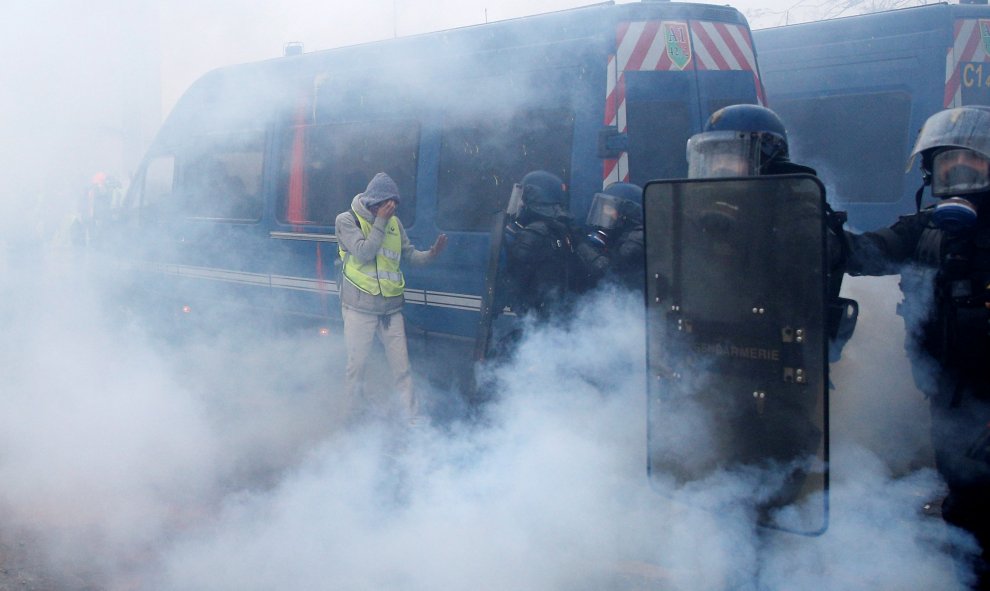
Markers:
619,205
544,193
954,145
738,140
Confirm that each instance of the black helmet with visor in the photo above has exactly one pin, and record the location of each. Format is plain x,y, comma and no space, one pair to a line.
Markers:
617,205
738,140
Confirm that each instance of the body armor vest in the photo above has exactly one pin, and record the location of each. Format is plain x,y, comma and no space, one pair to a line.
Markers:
957,332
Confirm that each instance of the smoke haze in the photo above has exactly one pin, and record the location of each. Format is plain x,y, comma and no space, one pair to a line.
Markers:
130,461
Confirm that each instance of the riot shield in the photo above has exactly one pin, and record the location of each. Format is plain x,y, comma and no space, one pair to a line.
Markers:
737,343
507,206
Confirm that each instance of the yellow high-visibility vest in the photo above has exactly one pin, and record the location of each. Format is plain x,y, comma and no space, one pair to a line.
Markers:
380,276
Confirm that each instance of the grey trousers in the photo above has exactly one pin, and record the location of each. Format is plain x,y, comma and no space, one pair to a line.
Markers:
360,330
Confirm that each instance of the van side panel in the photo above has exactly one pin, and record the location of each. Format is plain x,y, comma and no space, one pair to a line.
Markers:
855,91
455,118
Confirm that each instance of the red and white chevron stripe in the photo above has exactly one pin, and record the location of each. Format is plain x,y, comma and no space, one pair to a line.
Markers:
670,46
971,39
721,46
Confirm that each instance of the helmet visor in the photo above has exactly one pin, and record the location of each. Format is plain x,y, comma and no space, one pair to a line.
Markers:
604,212
958,171
723,154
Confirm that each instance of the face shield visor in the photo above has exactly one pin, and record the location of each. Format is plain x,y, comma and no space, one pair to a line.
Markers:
958,171
604,212
723,154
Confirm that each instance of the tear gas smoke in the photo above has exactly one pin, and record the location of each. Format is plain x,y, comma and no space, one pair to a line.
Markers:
134,464
130,462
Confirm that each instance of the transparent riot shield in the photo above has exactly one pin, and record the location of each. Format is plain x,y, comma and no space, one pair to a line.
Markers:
737,343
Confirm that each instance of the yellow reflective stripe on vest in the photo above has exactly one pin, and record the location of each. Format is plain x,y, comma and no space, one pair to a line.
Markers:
382,275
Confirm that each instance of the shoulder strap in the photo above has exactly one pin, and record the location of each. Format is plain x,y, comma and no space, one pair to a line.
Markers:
340,246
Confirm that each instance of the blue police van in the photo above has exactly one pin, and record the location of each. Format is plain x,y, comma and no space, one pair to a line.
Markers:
232,208
855,91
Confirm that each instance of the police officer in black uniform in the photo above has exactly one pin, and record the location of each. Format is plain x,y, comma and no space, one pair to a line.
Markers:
539,247
750,140
613,246
950,241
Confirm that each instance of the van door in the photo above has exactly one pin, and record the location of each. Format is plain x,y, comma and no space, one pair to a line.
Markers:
666,78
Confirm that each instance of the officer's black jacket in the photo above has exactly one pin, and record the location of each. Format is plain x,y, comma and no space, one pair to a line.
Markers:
539,263
954,329
883,252
621,260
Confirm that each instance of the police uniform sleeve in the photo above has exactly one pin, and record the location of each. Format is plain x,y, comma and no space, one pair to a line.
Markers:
881,252
630,250
592,259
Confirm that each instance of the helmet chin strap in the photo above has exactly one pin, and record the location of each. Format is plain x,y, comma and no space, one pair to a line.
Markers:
926,179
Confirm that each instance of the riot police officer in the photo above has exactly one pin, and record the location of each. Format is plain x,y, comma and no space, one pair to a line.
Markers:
750,140
539,247
950,241
613,245
717,265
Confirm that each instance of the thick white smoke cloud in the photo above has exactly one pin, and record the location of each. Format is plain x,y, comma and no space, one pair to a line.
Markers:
221,465
875,402
549,492
110,438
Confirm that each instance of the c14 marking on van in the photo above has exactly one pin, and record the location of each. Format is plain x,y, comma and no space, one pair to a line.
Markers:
973,76
970,47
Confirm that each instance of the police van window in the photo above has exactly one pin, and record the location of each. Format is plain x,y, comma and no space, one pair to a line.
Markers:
324,166
220,177
658,134
860,153
481,158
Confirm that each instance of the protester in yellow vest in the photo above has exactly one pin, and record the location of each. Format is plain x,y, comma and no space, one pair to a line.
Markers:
372,245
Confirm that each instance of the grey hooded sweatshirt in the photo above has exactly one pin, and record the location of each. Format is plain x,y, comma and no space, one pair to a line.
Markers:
353,241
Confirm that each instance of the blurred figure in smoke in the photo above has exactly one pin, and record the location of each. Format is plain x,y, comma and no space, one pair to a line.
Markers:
950,242
613,246
750,140
372,243
540,251
101,197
